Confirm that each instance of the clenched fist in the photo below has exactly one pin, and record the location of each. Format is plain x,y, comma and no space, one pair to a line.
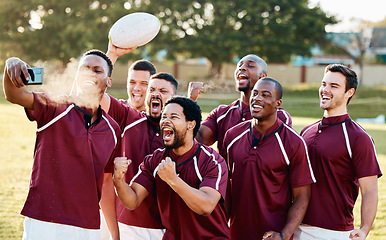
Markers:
120,167
195,89
167,170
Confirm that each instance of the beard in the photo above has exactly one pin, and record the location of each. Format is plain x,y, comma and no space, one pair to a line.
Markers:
178,140
148,110
154,119
244,89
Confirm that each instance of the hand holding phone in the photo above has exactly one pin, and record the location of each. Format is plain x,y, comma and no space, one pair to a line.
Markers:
35,76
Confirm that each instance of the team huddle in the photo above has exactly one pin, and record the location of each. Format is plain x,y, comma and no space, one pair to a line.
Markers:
143,168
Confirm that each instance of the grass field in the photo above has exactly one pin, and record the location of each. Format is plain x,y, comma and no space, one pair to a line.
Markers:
18,136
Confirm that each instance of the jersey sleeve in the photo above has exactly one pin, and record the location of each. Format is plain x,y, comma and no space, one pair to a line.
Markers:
300,167
116,153
122,114
284,116
364,156
145,175
44,109
224,150
216,175
211,122
118,111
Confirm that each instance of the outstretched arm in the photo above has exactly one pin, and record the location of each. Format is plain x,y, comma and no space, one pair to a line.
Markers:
13,85
202,201
295,214
369,192
130,196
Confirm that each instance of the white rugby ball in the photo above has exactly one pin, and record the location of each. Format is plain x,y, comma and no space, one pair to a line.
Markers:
135,29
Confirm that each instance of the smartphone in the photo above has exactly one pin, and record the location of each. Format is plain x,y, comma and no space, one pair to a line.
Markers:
35,76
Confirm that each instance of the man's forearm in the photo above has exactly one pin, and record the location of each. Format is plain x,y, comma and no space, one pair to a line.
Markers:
368,209
126,194
297,210
201,201
107,204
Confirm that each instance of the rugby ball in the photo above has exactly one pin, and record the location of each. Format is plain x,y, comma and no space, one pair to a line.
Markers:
133,30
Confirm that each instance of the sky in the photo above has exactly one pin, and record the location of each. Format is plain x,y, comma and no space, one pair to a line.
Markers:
346,10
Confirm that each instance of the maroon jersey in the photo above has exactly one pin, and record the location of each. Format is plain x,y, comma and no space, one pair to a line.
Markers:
70,158
140,137
263,169
340,153
200,166
224,117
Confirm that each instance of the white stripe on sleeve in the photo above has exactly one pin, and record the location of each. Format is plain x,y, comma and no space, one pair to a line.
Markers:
218,165
56,118
224,115
347,139
112,129
282,148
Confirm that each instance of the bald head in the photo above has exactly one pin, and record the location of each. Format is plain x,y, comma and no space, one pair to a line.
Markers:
262,65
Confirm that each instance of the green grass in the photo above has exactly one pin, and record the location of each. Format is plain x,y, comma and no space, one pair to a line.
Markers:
18,136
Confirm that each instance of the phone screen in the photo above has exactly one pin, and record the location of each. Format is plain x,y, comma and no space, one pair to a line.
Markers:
35,76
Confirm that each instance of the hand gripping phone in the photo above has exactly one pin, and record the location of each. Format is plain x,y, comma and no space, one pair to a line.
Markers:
35,76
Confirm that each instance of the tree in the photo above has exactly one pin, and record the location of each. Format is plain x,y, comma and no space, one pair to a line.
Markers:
54,29
223,30
220,30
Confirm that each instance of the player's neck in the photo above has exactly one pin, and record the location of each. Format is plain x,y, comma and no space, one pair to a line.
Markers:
184,148
244,97
139,109
339,111
262,125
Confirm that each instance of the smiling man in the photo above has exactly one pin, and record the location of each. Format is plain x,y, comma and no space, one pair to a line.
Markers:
72,172
270,174
189,179
248,71
137,82
344,159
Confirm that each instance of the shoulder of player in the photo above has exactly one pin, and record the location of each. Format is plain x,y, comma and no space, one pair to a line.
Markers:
313,126
110,120
290,137
209,155
239,128
356,131
236,133
224,108
156,156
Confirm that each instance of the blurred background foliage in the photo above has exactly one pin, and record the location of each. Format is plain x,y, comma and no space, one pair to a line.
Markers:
218,30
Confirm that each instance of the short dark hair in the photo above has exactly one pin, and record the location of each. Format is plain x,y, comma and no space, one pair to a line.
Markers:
143,65
102,55
278,87
167,77
351,76
191,110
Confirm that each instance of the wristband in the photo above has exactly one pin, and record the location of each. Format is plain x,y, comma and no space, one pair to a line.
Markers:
281,235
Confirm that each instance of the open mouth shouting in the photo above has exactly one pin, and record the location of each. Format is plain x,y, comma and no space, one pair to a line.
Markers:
155,106
242,78
167,133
